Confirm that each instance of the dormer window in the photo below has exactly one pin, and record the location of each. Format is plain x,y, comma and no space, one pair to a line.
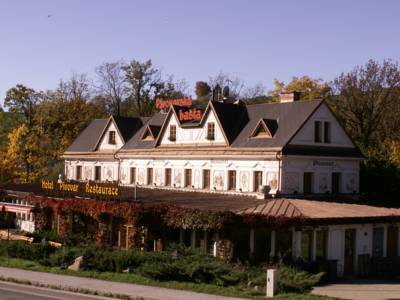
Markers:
147,136
172,133
210,131
266,128
111,138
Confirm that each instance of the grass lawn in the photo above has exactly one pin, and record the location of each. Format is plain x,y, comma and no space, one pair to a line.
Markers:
235,291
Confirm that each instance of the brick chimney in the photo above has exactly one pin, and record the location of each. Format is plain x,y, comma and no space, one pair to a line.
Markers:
289,96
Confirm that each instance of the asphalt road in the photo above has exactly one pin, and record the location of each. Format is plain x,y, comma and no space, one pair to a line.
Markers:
11,291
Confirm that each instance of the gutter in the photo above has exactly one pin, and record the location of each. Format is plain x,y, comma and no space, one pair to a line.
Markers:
119,166
279,159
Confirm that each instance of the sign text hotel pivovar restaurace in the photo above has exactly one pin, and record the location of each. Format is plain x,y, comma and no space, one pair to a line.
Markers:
87,188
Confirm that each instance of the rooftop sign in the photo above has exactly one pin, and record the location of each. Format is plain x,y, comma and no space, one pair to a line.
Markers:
192,114
165,103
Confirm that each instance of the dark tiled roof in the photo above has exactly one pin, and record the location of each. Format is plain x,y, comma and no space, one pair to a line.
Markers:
88,138
136,142
128,126
233,117
289,116
238,123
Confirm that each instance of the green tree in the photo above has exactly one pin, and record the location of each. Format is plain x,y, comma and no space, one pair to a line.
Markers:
144,83
22,100
112,85
8,121
66,111
308,87
367,102
202,89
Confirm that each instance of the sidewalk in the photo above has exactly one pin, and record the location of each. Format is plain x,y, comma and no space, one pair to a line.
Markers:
360,290
133,290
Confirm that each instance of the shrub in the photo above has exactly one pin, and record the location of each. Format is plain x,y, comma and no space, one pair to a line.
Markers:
180,264
292,279
20,249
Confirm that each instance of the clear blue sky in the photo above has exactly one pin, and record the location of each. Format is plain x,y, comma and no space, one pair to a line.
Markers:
255,40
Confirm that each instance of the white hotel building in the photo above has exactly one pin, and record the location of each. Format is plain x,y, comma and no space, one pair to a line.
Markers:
277,151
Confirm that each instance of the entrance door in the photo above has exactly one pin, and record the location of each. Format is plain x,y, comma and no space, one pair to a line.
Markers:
257,180
262,244
307,184
392,241
335,183
349,251
377,242
232,180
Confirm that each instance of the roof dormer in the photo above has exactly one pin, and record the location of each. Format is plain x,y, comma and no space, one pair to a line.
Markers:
151,132
266,128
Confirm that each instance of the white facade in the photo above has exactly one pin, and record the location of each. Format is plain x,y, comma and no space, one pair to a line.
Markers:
281,173
104,143
219,170
109,169
335,248
338,137
321,168
193,136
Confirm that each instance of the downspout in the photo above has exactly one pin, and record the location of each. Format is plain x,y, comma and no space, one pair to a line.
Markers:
119,167
279,159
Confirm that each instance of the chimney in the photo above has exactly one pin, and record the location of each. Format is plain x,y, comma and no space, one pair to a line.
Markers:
289,96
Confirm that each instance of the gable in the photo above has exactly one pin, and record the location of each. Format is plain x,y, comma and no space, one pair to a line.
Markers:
196,134
338,137
104,140
289,118
88,139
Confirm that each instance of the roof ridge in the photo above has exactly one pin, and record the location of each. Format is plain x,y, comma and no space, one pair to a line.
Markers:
276,103
295,208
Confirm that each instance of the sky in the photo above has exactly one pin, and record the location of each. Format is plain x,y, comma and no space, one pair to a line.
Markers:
43,41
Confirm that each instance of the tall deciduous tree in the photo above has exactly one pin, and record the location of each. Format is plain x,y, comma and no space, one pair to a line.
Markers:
66,111
235,84
22,100
309,88
144,82
202,89
368,103
112,85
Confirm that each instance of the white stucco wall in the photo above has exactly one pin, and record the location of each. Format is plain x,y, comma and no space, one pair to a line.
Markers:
104,145
293,169
218,172
109,169
305,136
196,135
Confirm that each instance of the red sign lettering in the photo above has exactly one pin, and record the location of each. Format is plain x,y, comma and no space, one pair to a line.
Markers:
189,115
165,103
